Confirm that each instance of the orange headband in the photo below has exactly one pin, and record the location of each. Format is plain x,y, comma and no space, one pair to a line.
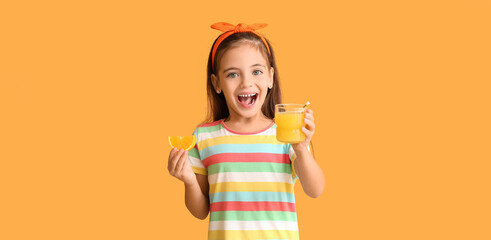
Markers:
230,29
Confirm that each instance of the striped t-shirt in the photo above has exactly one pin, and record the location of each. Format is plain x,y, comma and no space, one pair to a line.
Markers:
251,179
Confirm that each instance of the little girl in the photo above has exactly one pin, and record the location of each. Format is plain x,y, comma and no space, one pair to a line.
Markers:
238,171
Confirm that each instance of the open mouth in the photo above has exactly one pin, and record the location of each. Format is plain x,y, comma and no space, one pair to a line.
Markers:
247,99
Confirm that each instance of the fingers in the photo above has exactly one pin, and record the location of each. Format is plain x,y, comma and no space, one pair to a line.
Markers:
309,117
181,162
174,161
309,120
309,128
171,157
309,114
172,152
308,133
309,124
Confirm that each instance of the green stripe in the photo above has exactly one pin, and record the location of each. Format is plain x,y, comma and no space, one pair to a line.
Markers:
253,216
209,129
194,153
249,167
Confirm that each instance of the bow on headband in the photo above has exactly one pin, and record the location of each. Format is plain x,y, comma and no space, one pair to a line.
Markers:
230,29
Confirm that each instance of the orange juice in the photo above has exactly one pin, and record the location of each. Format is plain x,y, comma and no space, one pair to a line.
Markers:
289,123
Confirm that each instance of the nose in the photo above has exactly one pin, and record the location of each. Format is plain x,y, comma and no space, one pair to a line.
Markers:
247,80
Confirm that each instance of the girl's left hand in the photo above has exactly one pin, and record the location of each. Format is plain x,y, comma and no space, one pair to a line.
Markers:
308,130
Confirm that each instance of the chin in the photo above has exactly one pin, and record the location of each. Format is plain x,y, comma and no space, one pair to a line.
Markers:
249,112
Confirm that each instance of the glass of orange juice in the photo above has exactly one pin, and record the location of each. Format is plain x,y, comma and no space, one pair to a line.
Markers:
289,122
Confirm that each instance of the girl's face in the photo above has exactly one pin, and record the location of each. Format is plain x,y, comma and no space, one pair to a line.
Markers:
244,78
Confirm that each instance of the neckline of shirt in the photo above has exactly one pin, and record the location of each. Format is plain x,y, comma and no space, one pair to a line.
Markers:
222,122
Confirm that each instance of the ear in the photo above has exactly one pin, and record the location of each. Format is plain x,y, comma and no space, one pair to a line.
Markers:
214,82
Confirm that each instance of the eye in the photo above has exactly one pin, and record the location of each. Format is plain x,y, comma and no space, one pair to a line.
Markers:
232,75
257,72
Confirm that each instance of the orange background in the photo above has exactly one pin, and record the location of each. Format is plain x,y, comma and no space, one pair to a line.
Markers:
90,90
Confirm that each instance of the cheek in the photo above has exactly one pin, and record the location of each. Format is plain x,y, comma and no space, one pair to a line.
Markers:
263,80
229,85
266,82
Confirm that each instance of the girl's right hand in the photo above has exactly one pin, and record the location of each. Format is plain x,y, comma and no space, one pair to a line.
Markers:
179,167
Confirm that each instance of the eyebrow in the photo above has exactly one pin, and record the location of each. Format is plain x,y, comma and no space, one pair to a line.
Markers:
234,68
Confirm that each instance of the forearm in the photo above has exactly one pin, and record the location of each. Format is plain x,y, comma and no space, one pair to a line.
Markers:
196,201
310,174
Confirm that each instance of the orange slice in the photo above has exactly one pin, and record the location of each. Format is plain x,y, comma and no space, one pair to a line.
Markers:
185,142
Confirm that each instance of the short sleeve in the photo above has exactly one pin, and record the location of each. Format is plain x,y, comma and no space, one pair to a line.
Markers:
194,158
293,156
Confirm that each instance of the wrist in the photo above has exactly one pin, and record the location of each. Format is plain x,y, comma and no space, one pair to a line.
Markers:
300,148
191,183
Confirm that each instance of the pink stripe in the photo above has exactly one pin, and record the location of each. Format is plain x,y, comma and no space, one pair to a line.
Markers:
252,206
245,133
246,157
210,124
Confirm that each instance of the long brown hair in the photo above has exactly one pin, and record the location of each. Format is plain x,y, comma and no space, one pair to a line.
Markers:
217,106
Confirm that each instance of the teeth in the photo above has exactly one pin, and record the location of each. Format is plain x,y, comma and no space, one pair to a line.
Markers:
247,95
253,100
